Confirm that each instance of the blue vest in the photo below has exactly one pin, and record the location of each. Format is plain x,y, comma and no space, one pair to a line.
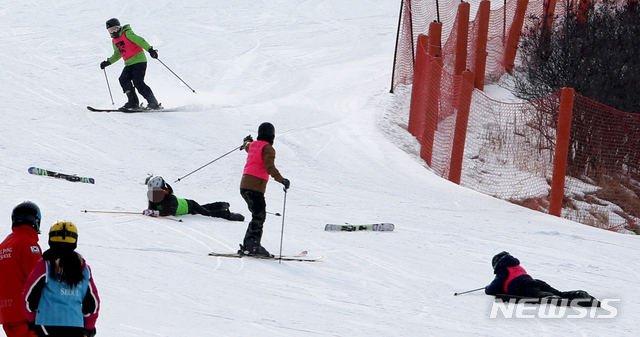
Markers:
60,304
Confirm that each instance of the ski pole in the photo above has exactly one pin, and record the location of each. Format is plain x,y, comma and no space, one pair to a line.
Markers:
284,205
185,83
108,86
138,213
468,291
276,214
211,162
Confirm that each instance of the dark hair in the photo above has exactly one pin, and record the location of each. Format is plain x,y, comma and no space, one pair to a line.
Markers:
69,267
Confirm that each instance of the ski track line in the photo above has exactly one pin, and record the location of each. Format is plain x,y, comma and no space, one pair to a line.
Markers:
185,234
280,329
212,239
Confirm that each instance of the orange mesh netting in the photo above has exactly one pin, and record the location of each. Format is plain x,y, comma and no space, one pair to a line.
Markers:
563,154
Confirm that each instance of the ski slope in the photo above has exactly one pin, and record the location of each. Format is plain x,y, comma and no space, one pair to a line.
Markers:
320,71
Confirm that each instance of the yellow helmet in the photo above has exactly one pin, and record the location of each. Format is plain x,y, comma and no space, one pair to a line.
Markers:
63,231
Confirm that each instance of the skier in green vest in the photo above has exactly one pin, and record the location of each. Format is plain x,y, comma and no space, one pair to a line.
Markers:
163,202
131,47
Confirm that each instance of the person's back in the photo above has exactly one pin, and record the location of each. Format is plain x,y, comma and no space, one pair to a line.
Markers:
60,297
509,275
255,176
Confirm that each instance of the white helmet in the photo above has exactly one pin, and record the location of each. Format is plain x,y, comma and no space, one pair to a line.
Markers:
156,182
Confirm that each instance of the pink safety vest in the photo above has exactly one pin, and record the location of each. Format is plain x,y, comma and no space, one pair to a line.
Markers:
514,272
126,48
255,161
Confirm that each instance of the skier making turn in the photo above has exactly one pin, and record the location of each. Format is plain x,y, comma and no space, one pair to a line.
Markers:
131,47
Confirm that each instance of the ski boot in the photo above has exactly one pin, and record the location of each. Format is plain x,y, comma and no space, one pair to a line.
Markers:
235,217
254,251
132,100
153,103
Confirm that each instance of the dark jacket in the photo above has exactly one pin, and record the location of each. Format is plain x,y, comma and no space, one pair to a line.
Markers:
509,277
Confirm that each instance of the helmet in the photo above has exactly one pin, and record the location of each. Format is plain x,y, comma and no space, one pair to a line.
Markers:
266,132
113,23
113,26
497,258
26,213
156,182
63,232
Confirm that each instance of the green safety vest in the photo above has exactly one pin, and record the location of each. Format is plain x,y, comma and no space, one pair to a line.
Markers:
183,206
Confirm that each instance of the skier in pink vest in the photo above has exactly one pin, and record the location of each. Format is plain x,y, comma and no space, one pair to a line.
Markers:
131,47
512,279
260,165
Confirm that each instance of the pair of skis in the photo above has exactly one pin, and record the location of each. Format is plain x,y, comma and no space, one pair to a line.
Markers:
132,110
301,257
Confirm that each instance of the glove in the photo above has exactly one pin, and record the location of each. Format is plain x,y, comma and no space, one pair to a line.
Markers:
286,183
153,53
31,325
104,64
248,139
150,212
89,333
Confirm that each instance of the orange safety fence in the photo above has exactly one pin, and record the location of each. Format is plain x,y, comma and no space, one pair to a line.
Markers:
563,154
584,152
416,15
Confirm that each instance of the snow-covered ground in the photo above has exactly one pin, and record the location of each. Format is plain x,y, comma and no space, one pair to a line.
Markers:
320,72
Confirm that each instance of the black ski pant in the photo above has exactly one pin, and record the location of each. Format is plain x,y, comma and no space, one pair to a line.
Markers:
133,76
537,288
58,331
216,209
258,208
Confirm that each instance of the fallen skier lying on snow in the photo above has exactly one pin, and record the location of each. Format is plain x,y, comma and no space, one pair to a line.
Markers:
513,282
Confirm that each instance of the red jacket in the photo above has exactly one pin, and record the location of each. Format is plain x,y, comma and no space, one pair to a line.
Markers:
19,253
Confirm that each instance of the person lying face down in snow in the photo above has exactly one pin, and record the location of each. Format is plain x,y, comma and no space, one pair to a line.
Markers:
512,279
163,202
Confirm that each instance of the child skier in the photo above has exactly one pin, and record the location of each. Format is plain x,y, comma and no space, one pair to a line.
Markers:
163,202
260,165
131,47
512,279
60,298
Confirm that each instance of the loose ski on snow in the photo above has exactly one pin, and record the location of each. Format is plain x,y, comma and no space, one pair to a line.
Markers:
582,302
69,177
299,257
352,228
